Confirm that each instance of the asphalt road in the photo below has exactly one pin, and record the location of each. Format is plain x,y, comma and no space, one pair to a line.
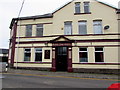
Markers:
41,81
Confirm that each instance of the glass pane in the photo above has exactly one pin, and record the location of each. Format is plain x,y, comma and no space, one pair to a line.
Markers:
28,30
68,28
83,49
77,4
99,57
77,7
83,57
86,9
27,49
82,28
99,49
38,57
38,50
97,27
68,23
39,30
40,26
62,51
27,56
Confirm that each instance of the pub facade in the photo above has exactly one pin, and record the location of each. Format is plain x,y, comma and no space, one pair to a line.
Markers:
81,36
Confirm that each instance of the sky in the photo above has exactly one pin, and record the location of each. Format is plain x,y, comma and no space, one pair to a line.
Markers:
10,8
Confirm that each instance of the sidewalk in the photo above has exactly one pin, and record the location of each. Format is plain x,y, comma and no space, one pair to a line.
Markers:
65,74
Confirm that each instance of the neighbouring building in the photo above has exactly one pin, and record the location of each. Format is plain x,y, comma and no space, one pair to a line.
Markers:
4,55
81,36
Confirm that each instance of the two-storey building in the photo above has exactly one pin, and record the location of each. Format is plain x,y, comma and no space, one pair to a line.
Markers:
81,36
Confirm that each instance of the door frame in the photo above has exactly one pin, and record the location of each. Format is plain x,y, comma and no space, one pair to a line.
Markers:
69,58
57,58
62,41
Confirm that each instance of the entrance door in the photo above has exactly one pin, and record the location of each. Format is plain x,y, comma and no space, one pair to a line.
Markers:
61,59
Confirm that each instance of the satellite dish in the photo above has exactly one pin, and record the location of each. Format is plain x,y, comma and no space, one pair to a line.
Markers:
106,27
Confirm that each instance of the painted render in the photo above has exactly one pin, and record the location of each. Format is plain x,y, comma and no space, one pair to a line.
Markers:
54,28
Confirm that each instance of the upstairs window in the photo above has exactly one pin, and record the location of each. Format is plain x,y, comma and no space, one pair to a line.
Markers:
99,54
68,28
83,54
97,26
77,7
82,27
27,54
28,30
39,30
86,7
38,54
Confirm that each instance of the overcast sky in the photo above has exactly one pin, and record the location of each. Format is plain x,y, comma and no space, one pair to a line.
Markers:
10,9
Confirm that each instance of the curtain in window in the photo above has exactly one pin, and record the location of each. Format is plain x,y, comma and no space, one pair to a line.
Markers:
97,27
68,28
82,28
77,7
86,7
28,30
39,30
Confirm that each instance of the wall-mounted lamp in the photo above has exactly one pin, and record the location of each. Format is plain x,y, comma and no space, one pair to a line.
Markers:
75,43
106,27
46,43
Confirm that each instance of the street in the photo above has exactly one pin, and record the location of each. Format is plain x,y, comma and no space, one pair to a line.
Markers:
45,81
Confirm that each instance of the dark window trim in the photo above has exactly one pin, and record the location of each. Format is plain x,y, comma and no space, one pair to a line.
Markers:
82,21
72,35
35,62
77,2
82,13
35,24
97,20
101,63
76,46
86,2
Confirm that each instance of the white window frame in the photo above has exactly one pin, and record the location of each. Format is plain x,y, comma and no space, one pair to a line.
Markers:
87,5
76,6
39,27
69,26
27,52
38,52
97,24
26,32
83,51
80,23
100,51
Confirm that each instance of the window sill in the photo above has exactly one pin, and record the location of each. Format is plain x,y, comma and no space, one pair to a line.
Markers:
34,62
81,13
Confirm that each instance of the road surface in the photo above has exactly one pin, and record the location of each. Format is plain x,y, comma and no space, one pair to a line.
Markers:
42,81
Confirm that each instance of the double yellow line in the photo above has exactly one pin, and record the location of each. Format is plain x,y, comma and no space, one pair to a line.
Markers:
59,76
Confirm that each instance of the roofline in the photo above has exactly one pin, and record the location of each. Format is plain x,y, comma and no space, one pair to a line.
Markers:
107,4
95,0
50,15
62,6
